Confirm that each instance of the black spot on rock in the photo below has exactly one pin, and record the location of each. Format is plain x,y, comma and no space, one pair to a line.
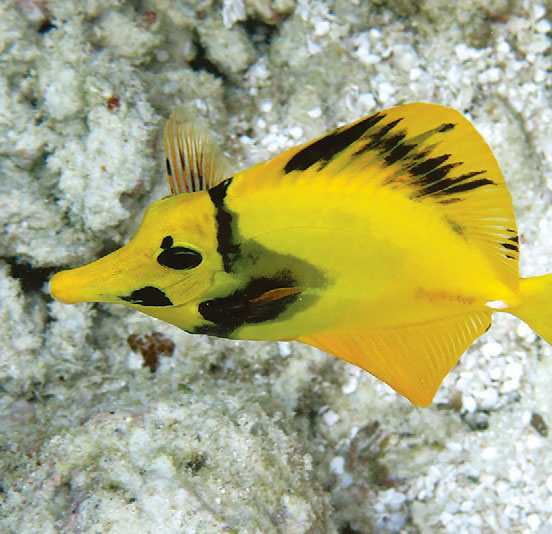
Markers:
31,278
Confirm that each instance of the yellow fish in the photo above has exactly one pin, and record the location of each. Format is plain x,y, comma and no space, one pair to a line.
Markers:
388,243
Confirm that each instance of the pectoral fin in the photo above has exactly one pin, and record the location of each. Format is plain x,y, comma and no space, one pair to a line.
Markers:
275,295
412,359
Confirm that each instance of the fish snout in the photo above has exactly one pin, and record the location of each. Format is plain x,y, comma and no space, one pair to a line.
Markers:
103,280
63,287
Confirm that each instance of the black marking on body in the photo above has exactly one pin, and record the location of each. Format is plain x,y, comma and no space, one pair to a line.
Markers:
378,138
226,247
420,154
455,227
428,165
167,163
263,270
270,286
398,153
468,186
446,127
246,306
148,296
451,200
435,182
167,242
510,246
430,176
441,183
393,142
325,148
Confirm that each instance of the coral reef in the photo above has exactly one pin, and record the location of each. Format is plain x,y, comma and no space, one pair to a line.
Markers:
220,436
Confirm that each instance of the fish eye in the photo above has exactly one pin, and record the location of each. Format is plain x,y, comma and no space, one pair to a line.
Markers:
178,257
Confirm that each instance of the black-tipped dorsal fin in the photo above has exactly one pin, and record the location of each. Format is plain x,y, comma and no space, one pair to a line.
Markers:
413,359
427,153
194,161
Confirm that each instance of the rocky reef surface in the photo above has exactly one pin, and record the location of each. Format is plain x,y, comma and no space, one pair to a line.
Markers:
115,422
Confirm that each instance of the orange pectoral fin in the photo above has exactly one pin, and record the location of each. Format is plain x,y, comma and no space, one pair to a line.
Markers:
277,294
413,359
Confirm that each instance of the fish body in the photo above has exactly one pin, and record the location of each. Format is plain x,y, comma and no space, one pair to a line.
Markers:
377,265
387,242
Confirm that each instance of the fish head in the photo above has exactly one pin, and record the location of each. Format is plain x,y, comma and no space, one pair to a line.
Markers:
171,261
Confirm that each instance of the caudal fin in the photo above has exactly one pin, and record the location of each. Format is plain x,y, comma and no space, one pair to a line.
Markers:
535,306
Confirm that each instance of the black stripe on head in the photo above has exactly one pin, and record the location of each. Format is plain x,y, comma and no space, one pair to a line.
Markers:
148,296
330,145
226,247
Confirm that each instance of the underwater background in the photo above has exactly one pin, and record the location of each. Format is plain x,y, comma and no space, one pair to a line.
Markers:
114,422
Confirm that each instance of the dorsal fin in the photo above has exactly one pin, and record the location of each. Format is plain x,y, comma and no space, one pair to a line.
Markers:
427,153
194,161
412,359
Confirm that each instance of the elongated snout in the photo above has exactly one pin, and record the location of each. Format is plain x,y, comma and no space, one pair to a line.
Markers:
104,280
62,288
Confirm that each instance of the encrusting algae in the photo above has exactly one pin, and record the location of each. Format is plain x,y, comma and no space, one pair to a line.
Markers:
388,243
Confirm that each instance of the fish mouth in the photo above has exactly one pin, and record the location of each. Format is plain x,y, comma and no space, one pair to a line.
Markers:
61,288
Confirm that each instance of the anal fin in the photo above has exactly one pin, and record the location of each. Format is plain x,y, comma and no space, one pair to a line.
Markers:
412,359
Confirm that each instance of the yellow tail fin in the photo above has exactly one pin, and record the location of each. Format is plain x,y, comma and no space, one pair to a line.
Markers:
535,306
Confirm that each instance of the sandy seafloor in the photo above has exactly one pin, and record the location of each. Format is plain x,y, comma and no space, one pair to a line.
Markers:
243,437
